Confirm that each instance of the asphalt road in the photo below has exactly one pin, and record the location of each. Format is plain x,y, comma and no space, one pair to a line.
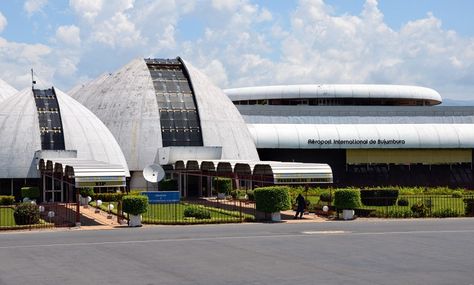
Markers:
428,251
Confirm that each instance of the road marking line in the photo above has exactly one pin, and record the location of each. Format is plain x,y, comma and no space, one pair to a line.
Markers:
303,234
324,232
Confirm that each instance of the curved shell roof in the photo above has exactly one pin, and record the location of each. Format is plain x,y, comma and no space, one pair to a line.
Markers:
6,90
126,102
20,135
333,91
342,136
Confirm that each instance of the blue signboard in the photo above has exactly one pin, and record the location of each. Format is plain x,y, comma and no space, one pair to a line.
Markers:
157,197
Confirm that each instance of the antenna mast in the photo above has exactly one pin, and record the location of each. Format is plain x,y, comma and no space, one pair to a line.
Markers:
33,81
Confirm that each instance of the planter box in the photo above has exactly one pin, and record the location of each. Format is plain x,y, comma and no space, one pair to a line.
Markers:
276,217
348,214
135,221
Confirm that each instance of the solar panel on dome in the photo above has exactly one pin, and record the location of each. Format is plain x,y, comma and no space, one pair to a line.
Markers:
49,119
179,119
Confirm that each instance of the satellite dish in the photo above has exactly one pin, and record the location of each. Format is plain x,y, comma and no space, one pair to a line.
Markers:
153,173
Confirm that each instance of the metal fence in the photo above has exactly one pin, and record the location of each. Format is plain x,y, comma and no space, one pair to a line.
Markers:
405,206
47,215
200,211
418,206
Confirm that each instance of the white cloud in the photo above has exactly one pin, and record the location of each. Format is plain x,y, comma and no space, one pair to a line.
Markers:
69,35
33,6
87,9
117,31
3,22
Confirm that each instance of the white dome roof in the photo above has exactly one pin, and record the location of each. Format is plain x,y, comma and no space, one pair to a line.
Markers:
126,102
6,90
20,135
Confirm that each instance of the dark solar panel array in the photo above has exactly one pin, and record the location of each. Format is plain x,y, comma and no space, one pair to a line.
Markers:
49,117
179,118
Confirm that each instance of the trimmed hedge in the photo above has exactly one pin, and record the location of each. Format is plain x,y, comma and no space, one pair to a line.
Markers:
30,192
272,199
108,197
347,199
223,185
168,185
196,212
135,204
26,214
7,200
379,197
84,192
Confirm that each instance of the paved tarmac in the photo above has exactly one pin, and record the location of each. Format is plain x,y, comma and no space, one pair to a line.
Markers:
372,251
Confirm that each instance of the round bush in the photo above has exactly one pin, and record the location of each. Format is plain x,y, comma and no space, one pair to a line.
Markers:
272,199
196,212
326,197
84,192
403,202
347,199
456,194
469,209
419,209
26,214
135,204
223,185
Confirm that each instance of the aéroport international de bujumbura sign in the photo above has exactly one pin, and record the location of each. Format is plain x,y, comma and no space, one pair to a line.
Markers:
339,142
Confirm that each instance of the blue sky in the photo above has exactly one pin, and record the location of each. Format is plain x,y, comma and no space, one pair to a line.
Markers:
244,42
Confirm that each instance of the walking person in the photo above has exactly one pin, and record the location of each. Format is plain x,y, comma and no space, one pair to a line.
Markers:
301,204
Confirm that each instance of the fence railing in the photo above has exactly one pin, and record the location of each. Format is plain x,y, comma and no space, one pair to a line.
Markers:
46,215
200,211
406,206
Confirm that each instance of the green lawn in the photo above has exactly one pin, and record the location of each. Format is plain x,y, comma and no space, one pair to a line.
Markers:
6,217
174,214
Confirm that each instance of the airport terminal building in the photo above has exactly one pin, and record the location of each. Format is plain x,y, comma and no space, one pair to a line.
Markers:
165,111
370,135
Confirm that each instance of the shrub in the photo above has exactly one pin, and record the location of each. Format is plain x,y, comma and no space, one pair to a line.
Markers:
347,199
223,185
400,213
168,185
326,197
456,194
251,195
108,197
469,209
379,197
84,192
30,192
26,214
419,209
238,194
403,202
7,200
272,199
135,204
445,213
196,212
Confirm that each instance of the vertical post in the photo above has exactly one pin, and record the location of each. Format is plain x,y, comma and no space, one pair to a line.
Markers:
62,189
78,210
44,188
11,186
240,211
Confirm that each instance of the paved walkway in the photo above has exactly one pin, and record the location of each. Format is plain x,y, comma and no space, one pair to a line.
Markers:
100,218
